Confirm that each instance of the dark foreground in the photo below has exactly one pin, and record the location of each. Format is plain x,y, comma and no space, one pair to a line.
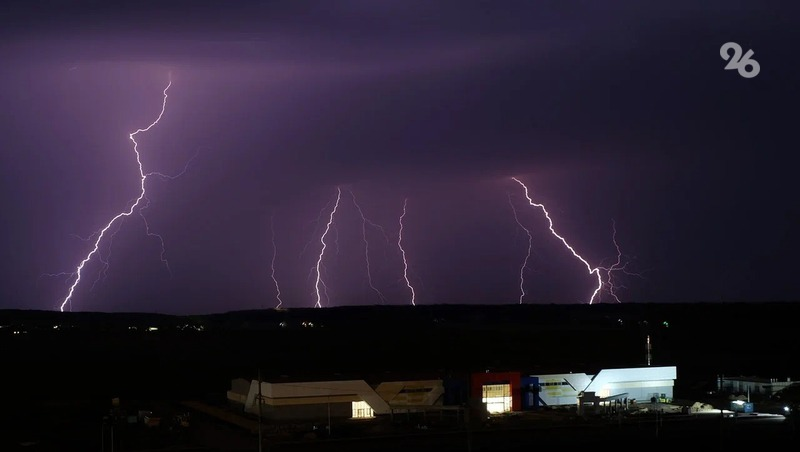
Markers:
706,431
61,370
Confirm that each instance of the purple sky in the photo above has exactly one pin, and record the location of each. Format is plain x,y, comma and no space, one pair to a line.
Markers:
612,113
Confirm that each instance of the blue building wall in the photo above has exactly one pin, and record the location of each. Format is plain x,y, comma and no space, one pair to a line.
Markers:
530,392
456,391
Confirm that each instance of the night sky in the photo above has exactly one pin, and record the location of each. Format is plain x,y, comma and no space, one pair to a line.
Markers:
615,114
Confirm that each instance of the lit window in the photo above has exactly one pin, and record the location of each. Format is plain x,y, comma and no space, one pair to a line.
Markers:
497,398
362,410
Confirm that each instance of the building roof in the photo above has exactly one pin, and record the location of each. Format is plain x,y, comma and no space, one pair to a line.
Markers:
371,378
752,379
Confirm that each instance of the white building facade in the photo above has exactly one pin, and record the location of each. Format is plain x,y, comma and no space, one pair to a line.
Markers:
637,383
339,399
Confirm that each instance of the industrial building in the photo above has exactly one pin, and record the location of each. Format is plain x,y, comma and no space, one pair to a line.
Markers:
752,385
495,392
638,383
499,391
512,391
240,387
355,399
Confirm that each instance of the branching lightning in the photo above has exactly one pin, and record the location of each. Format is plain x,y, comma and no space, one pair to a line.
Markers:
101,275
136,204
318,268
524,265
364,222
104,260
146,204
596,271
617,266
272,263
316,228
403,254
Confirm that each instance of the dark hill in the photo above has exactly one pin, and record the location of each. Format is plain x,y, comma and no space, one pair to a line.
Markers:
101,354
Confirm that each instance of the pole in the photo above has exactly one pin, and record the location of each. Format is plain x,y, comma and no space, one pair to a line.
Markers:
721,429
260,402
468,420
657,422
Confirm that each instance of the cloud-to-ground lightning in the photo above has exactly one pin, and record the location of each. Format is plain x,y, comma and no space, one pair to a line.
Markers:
104,265
272,263
316,222
104,260
524,265
592,270
319,285
403,254
146,204
617,266
364,222
136,203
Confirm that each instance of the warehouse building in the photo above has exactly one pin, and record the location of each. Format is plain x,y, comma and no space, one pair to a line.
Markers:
496,392
240,388
752,385
511,391
636,383
354,399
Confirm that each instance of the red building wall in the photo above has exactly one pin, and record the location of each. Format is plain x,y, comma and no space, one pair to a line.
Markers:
513,379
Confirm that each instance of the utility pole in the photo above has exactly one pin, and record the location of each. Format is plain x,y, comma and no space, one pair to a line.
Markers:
329,416
469,429
260,403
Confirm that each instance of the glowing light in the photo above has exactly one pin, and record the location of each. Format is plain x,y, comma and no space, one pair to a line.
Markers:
596,271
403,254
364,222
362,410
142,196
272,263
319,282
497,398
524,265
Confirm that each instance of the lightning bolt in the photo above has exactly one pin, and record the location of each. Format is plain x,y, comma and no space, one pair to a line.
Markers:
142,196
617,266
524,265
313,233
319,282
403,254
272,264
146,204
335,230
364,222
592,270
103,272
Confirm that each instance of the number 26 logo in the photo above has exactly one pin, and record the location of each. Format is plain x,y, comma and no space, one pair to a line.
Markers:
739,62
